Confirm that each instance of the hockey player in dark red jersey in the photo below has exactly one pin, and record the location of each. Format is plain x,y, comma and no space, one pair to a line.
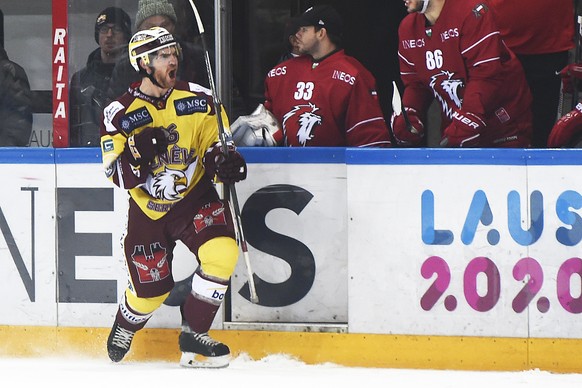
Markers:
451,50
541,34
324,98
160,142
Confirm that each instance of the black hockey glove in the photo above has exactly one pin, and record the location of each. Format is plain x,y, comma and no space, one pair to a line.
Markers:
143,147
229,169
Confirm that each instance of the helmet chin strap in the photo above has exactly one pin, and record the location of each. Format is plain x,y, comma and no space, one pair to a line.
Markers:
151,77
424,6
144,72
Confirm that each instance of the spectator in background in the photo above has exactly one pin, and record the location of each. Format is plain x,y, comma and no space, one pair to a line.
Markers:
451,50
158,13
291,42
15,104
324,97
540,33
88,91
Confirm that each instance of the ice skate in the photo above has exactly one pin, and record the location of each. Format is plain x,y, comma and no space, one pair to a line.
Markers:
119,342
199,350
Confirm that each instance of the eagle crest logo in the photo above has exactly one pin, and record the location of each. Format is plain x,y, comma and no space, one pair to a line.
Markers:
168,184
302,120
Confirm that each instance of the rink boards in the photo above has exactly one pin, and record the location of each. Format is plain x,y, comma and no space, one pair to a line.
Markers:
458,259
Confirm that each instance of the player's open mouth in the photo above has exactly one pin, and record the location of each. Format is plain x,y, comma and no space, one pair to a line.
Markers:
172,74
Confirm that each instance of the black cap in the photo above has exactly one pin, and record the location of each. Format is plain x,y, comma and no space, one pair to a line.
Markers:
113,15
291,28
322,16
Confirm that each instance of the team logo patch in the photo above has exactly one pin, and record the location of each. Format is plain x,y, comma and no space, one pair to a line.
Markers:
211,214
502,115
187,106
445,84
169,184
303,120
151,265
107,145
135,119
480,10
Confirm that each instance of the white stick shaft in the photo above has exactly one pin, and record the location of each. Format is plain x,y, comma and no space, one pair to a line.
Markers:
197,15
222,136
396,99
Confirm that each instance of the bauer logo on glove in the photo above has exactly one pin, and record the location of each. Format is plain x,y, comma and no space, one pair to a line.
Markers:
464,130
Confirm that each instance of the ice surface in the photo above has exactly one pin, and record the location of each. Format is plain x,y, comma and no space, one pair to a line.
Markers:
273,372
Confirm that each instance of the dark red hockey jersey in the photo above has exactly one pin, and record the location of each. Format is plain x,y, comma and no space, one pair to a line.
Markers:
535,27
332,103
462,61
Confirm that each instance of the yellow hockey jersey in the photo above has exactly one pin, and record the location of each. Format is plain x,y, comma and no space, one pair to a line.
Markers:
187,113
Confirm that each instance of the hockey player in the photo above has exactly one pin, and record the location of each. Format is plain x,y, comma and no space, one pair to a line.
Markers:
160,142
324,98
451,50
541,34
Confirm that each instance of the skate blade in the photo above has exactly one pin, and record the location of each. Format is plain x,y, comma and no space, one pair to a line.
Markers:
193,360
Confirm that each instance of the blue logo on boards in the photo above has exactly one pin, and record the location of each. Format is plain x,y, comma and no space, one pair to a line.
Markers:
189,105
525,234
135,119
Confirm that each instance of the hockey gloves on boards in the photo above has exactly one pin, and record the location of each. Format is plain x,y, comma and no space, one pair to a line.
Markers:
463,131
567,132
229,168
143,147
407,133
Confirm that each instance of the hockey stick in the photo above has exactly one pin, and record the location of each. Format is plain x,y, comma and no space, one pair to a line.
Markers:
222,136
398,106
577,53
560,102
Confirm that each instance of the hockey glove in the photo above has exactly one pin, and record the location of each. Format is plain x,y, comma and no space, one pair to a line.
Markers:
570,73
567,131
229,168
260,128
143,147
464,130
407,134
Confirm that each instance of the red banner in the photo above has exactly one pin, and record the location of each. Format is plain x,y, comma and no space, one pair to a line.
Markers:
60,84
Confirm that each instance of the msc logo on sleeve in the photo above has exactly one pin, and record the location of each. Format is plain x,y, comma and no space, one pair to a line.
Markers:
135,119
189,105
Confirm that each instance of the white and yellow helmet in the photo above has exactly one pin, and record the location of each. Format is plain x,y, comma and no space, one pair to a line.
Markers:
146,42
